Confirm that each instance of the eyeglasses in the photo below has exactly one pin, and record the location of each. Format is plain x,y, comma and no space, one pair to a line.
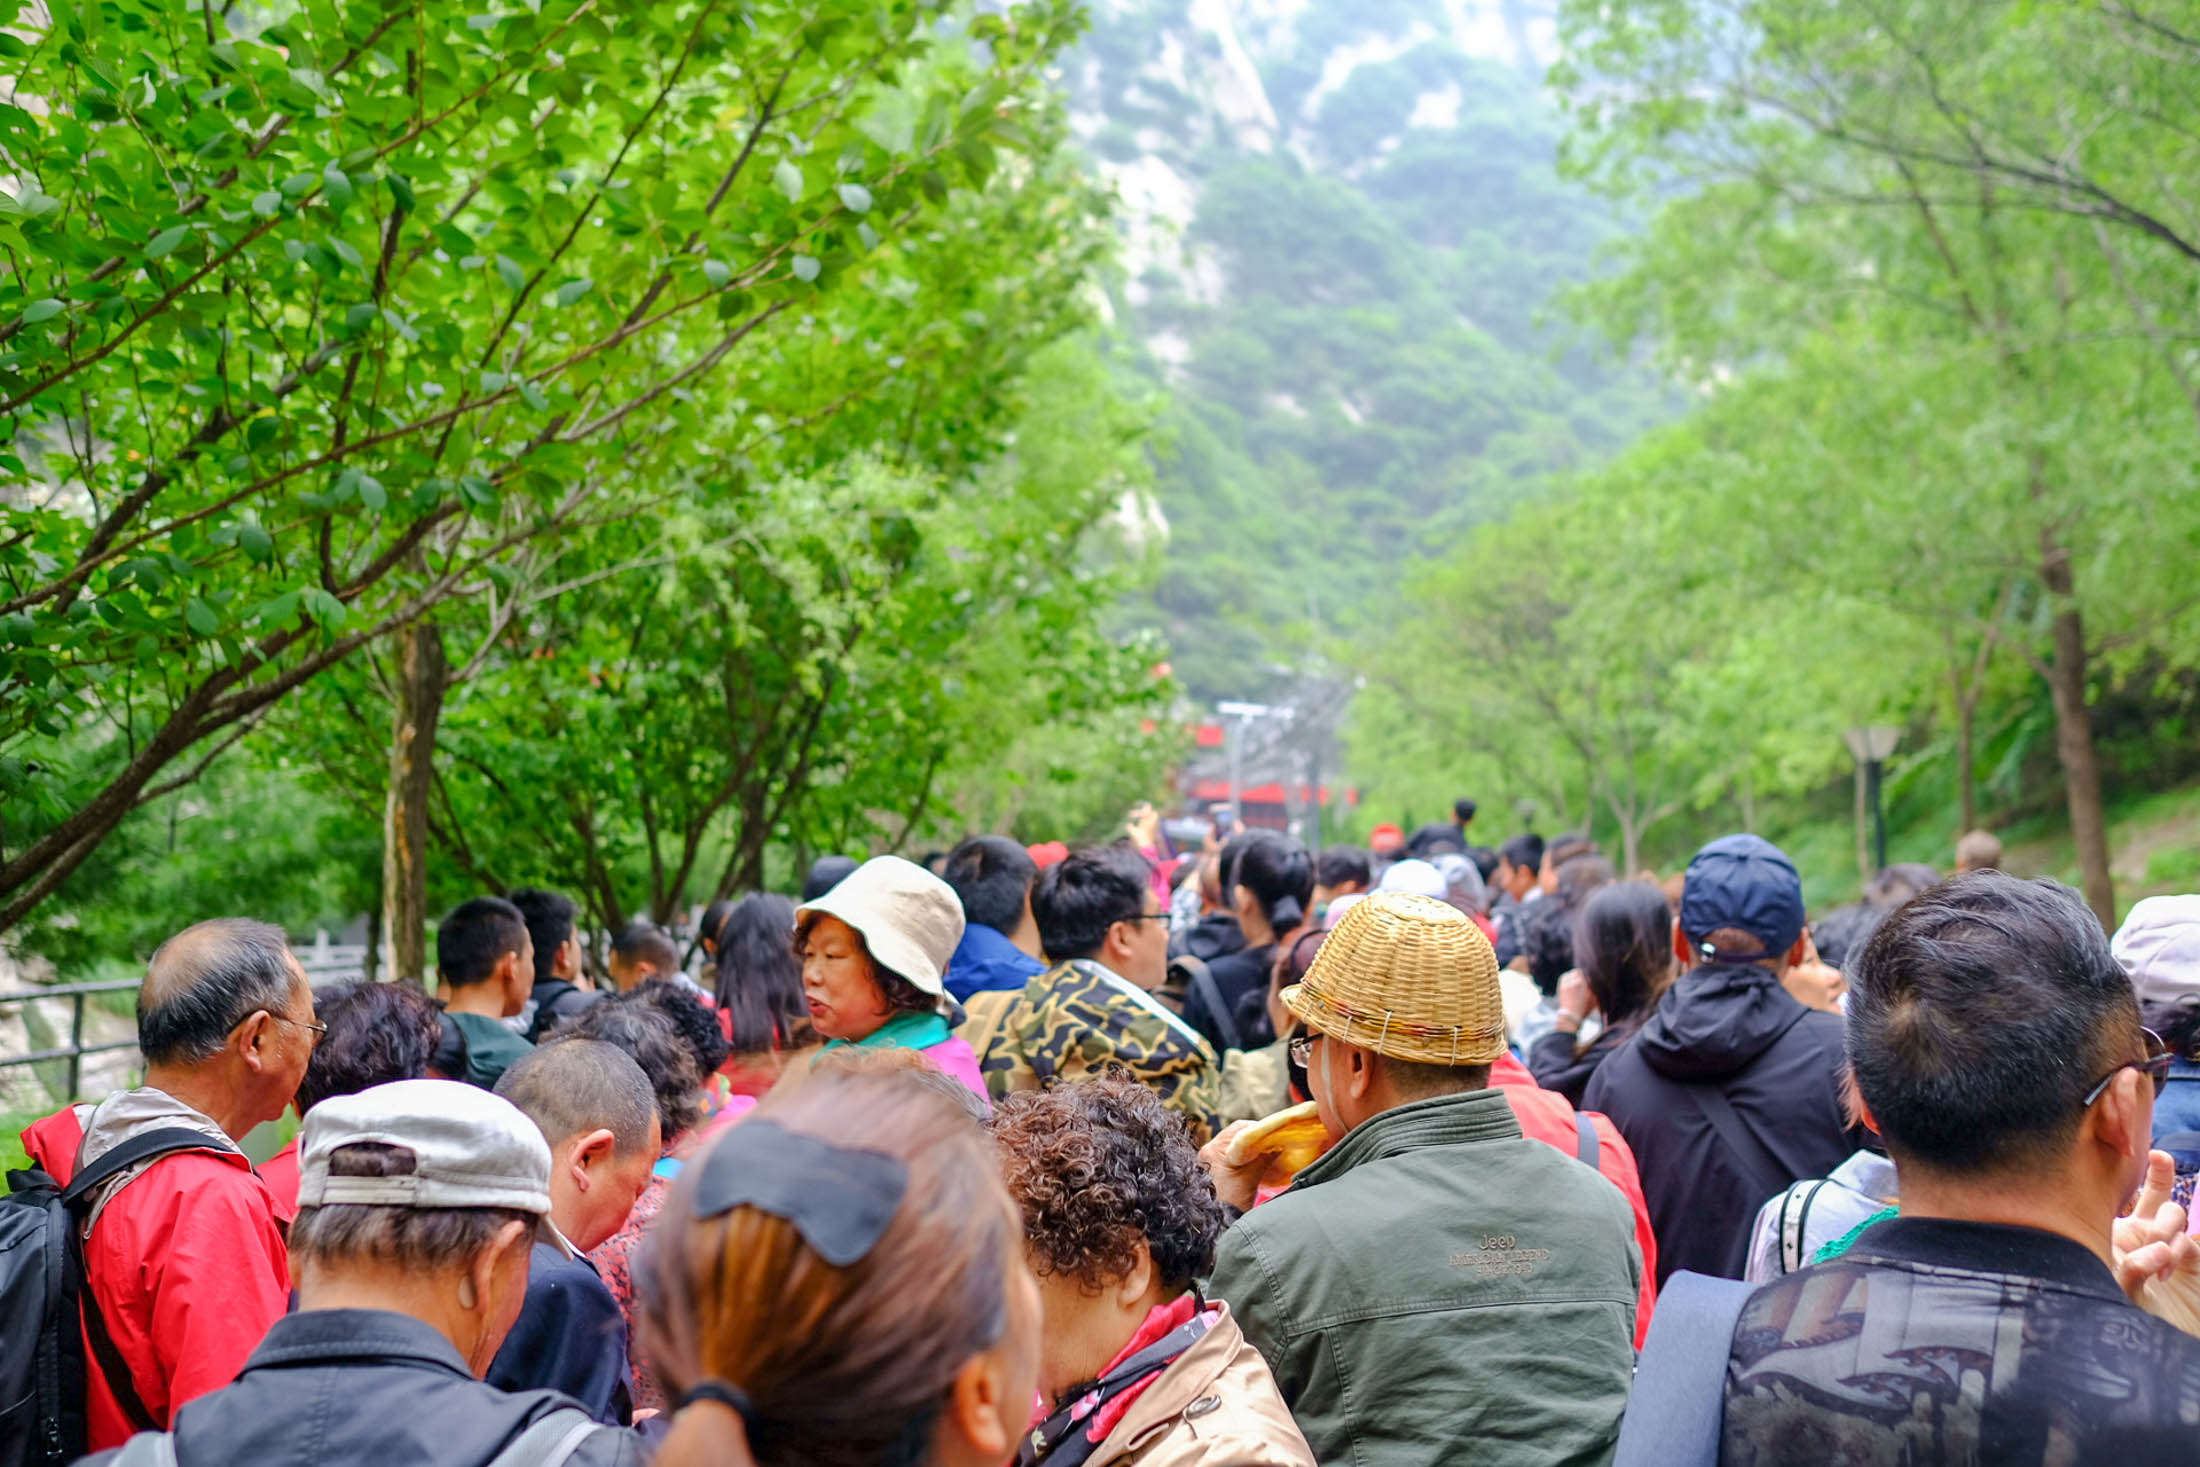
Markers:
320,1030
1301,1050
1147,917
2155,1067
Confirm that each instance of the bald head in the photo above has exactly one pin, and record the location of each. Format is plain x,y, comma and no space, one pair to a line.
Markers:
208,979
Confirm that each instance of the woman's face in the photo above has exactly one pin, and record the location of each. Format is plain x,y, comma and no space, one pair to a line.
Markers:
845,1000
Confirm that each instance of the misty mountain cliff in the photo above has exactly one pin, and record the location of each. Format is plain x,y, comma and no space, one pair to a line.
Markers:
1344,227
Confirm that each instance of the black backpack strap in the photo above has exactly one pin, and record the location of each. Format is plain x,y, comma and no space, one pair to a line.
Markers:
112,1367
1202,980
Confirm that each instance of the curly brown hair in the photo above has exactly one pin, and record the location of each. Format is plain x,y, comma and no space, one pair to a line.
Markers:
1100,1166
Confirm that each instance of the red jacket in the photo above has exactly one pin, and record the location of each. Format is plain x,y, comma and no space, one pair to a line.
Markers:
187,1265
52,1142
1548,1116
280,1172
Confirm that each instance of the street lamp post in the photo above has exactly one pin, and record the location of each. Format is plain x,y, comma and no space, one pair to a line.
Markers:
1871,747
1240,715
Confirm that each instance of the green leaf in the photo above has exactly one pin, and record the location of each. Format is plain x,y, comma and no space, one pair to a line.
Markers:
255,542
535,396
789,178
201,617
166,241
717,272
360,316
806,268
856,197
508,268
372,494
401,189
44,310
261,431
335,186
572,291
267,203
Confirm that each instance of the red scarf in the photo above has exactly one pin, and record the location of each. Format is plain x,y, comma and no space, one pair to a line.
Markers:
1075,1431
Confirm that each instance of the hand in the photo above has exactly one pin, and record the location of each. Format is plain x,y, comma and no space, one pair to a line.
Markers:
2157,1262
1574,998
1144,826
1236,1183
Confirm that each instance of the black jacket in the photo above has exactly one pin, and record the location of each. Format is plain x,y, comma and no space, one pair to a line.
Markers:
1212,936
1731,1032
366,1388
570,1336
1551,1059
1242,979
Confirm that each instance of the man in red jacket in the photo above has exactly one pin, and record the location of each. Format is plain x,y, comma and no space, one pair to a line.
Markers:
184,1263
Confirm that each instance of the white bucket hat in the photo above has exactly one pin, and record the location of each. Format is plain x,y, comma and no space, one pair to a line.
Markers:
911,920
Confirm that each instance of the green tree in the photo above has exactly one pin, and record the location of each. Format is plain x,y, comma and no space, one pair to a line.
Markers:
318,318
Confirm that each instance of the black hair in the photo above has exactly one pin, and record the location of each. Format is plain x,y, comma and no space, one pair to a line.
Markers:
1524,851
691,1018
1980,1014
993,876
377,1033
1567,845
1580,876
1342,865
645,942
760,978
2178,1022
1841,934
1081,896
571,1085
1435,840
1623,943
1462,810
1547,942
711,926
1485,861
827,872
475,936
1898,883
1279,873
208,979
630,1022
549,919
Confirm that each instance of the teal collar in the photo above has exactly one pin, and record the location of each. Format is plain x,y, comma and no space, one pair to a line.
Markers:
905,1030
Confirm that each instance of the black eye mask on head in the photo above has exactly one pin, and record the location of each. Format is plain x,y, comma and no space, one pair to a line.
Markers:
839,1198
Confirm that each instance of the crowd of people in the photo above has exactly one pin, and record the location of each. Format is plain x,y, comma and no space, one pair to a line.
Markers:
1393,1155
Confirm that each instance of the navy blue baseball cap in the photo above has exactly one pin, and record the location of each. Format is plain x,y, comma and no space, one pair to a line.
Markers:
1747,883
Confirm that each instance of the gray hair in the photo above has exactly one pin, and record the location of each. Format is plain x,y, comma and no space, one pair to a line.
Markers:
428,1239
575,1085
205,981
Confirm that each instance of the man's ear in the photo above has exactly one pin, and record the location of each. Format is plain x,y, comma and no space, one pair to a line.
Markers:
1682,947
596,1146
1132,1286
255,1034
2122,1119
1359,1071
1800,953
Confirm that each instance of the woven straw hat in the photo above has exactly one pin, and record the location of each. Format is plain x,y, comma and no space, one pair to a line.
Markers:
1409,977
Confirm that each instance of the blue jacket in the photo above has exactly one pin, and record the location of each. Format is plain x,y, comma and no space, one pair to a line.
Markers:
986,961
570,1337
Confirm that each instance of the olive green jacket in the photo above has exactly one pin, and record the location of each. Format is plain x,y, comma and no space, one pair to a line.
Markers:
1440,1289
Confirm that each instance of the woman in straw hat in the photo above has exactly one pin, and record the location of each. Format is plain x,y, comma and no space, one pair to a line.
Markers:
1437,1285
874,955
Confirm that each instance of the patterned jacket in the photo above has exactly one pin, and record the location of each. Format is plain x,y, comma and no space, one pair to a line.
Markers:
1078,1017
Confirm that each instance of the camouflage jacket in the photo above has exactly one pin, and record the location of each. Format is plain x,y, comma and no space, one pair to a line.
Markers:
1078,1017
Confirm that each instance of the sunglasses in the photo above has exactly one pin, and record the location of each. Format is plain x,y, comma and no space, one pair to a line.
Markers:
2155,1067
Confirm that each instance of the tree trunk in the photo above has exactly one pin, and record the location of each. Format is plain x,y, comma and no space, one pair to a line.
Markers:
2066,681
1967,777
423,674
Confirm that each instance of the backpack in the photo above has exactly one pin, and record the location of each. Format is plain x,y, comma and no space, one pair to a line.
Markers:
550,1442
42,1365
555,1001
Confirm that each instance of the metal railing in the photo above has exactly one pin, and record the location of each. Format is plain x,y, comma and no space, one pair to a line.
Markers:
75,1050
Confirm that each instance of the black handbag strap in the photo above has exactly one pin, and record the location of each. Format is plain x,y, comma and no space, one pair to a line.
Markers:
112,1367
1210,997
1766,1175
